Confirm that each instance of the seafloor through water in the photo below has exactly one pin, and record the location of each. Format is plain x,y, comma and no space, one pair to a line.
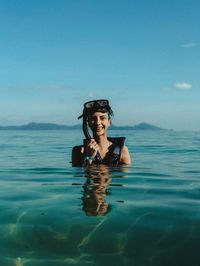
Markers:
52,214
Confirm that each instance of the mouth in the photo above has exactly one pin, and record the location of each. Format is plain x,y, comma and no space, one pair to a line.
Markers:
98,129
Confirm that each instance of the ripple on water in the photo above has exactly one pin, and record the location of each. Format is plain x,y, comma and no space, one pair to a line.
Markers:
145,214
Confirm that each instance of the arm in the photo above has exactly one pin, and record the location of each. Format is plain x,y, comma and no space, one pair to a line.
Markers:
90,152
77,156
125,156
78,153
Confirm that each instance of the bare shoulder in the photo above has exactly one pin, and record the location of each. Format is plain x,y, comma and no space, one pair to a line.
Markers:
125,156
77,155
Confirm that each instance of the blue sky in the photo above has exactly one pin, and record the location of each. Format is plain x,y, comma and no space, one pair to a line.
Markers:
142,55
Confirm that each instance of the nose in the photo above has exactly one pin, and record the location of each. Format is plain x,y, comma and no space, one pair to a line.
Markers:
98,121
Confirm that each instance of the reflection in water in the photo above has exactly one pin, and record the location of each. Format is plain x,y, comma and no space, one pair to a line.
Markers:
96,188
95,191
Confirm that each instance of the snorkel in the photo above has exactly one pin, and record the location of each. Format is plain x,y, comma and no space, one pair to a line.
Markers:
85,126
90,108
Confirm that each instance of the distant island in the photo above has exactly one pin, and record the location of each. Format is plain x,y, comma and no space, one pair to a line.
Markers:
52,126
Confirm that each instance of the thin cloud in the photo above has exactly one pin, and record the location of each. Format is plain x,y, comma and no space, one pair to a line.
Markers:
183,86
92,95
167,89
189,45
51,88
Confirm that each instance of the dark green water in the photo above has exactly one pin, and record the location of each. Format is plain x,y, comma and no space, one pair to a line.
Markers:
53,214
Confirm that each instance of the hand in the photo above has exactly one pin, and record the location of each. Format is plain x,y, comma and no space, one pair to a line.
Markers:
92,148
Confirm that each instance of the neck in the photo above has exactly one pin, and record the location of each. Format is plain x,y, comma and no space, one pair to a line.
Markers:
102,140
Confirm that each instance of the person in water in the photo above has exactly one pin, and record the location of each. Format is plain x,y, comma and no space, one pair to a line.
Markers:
99,149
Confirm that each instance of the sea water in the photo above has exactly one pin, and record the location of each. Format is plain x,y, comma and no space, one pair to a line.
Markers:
54,214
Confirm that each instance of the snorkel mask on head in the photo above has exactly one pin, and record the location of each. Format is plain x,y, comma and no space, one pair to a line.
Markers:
92,107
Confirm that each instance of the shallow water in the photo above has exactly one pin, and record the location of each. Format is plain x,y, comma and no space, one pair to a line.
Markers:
145,214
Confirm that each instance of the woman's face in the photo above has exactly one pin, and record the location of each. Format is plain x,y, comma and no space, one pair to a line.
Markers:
99,123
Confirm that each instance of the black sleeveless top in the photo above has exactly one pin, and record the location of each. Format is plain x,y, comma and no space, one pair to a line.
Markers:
114,152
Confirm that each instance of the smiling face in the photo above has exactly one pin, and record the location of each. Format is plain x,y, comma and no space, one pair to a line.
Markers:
99,123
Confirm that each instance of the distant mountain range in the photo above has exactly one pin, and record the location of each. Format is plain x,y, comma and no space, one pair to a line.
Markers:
52,126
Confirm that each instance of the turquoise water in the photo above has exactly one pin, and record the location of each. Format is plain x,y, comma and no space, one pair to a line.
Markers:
53,214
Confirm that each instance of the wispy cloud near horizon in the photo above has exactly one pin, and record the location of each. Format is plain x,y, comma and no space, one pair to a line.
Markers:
183,86
189,45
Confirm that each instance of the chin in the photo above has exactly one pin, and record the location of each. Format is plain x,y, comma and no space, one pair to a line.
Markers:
99,133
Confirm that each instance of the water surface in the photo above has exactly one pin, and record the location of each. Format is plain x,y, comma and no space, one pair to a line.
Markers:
145,214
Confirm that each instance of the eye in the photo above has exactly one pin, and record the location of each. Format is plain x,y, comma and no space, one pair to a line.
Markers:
92,119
